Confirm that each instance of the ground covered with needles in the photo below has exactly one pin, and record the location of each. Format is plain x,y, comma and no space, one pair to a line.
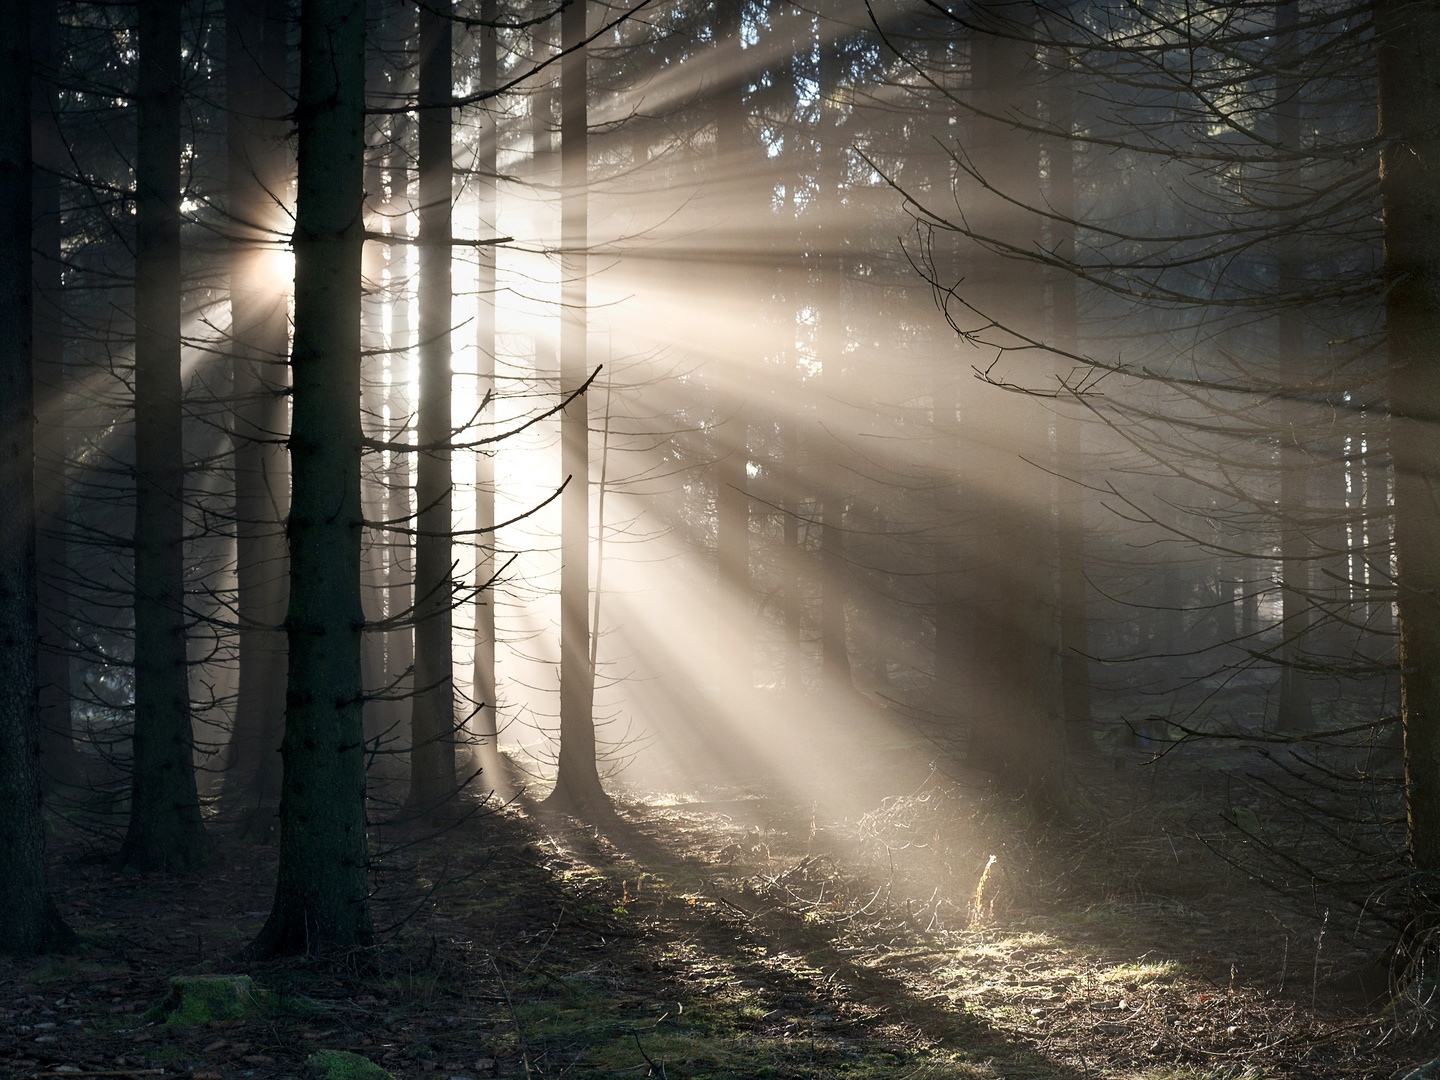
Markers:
726,933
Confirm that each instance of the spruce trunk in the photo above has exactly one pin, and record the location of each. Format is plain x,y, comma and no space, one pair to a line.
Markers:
483,680
1069,448
1016,733
59,758
432,725
30,923
732,503
321,895
1408,40
165,832
1296,711
255,82
830,505
577,783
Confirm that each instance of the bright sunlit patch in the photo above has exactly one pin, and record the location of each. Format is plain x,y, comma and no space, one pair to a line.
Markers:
1141,973
279,269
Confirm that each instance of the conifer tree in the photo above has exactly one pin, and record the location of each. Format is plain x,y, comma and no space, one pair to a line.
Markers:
165,830
30,923
321,892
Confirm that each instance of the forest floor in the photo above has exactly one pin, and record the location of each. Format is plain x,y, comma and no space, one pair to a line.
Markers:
736,933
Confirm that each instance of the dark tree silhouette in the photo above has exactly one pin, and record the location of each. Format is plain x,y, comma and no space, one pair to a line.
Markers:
257,165
165,830
59,757
1408,40
432,726
30,923
321,883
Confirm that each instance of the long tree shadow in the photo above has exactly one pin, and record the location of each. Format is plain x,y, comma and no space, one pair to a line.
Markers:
665,944
783,982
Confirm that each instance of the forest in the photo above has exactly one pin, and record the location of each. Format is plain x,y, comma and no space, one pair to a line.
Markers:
649,538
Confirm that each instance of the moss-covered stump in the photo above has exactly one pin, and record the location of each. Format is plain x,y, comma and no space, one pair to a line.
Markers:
342,1065
202,999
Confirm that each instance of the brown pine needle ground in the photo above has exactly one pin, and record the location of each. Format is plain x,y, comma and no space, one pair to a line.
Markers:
732,937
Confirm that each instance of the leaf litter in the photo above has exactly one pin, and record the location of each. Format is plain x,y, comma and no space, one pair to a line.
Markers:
937,935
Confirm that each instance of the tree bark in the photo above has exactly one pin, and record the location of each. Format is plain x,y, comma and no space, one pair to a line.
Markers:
165,831
400,566
792,560
830,507
1015,733
483,679
58,756
373,544
793,605
732,503
31,923
1408,51
577,782
1069,450
834,598
952,614
432,723
256,104
1295,712
321,900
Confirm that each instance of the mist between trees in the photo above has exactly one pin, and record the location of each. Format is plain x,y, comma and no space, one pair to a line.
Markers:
432,407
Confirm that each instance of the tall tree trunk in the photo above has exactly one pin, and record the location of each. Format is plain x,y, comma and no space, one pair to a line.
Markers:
256,106
1296,712
373,550
1251,586
400,566
577,781
483,680
1376,465
1407,36
787,273
830,509
952,616
1016,732
1070,466
321,890
951,613
58,756
834,595
382,81
30,923
732,504
165,830
1226,627
432,720
790,556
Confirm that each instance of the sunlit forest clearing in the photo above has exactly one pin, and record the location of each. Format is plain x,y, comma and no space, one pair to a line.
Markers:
738,539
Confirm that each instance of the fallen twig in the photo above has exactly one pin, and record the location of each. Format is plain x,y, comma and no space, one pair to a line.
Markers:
653,1067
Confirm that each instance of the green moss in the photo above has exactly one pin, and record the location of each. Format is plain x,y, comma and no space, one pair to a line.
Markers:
165,1055
343,1065
203,999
